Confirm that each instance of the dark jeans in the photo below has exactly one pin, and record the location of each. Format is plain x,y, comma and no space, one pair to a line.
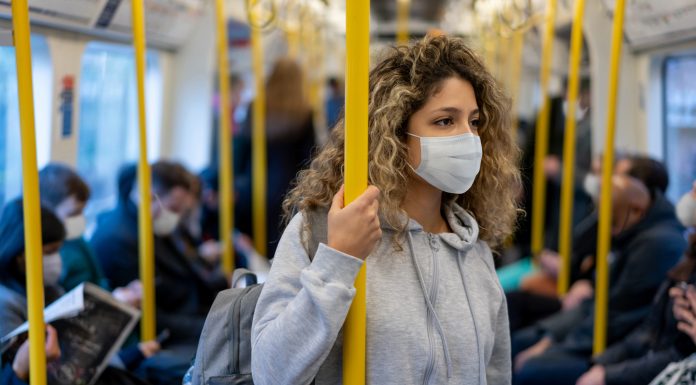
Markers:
555,367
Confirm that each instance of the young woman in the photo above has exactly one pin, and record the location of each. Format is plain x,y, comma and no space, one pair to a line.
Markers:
443,184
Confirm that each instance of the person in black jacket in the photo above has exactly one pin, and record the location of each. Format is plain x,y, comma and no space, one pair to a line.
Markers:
647,242
182,295
644,353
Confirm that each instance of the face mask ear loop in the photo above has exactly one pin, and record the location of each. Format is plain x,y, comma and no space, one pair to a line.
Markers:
162,208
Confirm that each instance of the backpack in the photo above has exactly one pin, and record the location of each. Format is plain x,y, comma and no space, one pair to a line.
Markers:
223,356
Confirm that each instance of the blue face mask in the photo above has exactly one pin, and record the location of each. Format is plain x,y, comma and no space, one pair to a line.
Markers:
450,163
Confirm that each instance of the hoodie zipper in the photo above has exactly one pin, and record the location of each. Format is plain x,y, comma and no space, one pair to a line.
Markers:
432,294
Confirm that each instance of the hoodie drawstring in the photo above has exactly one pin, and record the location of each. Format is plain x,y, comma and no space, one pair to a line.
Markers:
431,308
482,369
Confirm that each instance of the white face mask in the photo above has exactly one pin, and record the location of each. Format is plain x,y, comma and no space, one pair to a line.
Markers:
74,227
52,267
591,186
450,163
686,210
166,221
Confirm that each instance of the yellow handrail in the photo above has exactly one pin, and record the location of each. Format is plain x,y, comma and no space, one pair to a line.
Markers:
145,236
604,235
516,74
568,187
31,201
225,149
259,161
356,153
542,135
402,18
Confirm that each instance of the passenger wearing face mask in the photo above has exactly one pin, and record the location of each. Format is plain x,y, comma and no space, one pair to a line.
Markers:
647,242
181,292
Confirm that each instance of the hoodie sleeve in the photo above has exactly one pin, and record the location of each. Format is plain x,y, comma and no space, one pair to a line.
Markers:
301,310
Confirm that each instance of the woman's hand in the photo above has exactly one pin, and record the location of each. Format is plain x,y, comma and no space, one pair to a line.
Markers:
355,229
684,309
20,365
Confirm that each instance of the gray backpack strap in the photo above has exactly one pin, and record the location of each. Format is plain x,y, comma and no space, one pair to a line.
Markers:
318,230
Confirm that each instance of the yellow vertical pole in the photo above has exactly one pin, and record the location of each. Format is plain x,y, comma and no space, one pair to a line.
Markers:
356,152
403,10
568,186
145,237
604,236
542,134
516,77
259,161
225,150
31,202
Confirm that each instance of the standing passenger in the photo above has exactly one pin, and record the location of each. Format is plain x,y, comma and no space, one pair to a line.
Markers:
443,178
289,142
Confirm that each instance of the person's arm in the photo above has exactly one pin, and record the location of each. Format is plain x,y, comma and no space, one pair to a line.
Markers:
640,370
301,310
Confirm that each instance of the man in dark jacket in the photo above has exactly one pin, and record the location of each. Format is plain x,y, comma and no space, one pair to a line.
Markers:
180,290
647,242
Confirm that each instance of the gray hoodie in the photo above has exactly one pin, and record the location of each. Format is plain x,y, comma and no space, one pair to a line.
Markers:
436,313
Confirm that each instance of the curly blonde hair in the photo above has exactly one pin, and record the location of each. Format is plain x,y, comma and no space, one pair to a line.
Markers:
399,86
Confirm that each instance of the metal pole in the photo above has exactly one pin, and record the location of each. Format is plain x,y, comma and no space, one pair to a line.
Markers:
356,153
568,187
542,135
259,160
225,137
31,202
403,10
604,236
145,236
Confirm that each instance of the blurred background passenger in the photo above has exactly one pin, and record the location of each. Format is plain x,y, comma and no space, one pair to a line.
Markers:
537,296
290,140
647,242
65,193
183,295
13,296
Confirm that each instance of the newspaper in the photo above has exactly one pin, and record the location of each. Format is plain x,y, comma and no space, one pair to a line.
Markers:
91,328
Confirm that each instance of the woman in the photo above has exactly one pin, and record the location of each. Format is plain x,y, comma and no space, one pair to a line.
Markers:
289,142
443,175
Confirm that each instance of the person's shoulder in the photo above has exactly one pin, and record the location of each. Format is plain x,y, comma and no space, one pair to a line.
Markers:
10,299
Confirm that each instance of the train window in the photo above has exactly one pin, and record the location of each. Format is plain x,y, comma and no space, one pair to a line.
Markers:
10,145
680,122
108,135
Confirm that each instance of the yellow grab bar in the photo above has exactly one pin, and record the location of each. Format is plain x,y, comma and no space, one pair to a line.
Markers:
402,18
517,64
604,235
145,236
356,153
31,201
225,149
542,135
259,161
565,235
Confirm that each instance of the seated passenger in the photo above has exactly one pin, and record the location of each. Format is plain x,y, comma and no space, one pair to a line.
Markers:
66,194
647,242
180,291
442,165
537,297
13,302
666,334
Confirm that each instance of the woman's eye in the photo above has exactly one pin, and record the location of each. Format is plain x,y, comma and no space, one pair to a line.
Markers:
445,122
475,123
